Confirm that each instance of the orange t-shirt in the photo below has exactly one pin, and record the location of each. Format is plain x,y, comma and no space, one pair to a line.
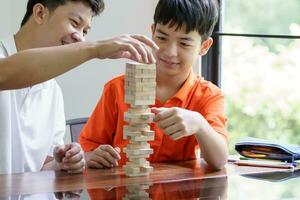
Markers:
105,126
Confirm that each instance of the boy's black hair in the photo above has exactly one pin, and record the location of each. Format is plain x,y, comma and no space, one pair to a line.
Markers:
197,15
97,6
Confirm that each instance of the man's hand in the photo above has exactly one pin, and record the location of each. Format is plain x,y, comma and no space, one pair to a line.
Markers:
135,47
70,158
105,156
177,122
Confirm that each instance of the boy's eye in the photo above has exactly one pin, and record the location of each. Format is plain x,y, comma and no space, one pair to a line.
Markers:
85,32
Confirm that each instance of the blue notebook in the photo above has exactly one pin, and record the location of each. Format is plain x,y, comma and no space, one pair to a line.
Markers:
267,149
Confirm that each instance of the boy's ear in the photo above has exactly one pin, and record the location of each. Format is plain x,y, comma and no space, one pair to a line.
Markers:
205,45
39,13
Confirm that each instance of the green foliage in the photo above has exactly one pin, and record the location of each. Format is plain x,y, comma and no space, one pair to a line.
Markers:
262,90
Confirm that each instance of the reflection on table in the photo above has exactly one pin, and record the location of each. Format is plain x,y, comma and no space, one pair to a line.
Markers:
177,180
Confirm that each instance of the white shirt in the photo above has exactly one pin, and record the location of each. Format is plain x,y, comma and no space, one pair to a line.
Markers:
32,122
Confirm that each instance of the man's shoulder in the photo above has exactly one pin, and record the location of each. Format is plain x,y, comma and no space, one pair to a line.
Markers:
7,46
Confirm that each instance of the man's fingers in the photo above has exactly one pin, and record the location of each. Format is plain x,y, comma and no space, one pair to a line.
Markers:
58,153
75,158
72,149
147,41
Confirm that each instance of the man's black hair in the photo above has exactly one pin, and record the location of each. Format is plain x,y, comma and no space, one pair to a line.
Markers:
97,6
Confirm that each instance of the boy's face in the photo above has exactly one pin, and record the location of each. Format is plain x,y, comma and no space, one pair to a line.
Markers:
178,50
66,24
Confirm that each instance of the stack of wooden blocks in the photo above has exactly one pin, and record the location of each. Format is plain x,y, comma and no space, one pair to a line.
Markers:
140,84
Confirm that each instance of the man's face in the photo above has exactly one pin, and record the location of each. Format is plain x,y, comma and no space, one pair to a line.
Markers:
178,50
66,24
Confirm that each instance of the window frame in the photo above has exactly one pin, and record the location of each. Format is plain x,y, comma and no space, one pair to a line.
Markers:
211,63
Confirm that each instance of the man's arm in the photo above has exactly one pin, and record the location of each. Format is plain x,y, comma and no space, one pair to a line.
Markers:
33,66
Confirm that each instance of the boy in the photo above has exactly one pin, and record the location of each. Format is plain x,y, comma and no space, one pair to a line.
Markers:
189,110
32,122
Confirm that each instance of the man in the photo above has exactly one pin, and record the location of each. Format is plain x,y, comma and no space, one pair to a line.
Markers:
32,121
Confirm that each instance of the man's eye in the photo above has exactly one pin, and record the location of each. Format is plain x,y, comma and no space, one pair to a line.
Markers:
160,38
75,23
185,44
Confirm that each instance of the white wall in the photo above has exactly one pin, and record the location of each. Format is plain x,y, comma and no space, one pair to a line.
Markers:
83,86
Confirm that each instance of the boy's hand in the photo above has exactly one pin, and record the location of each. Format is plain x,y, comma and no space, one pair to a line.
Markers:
105,156
177,122
135,47
70,158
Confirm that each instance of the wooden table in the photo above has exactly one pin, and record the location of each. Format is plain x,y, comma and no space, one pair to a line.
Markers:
192,176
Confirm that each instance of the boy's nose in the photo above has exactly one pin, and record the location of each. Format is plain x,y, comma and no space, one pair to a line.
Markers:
171,49
78,37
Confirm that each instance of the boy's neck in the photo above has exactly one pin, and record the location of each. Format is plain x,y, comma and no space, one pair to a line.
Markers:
168,86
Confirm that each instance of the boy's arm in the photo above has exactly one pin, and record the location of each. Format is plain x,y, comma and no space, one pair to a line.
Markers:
214,148
33,66
178,123
96,138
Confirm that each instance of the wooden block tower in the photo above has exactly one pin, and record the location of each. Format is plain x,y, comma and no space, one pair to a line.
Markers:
140,84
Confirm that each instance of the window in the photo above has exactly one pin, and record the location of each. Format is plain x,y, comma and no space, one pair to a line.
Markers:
257,49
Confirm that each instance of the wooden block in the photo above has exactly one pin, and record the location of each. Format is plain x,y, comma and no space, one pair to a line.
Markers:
135,66
140,80
139,109
139,117
137,127
135,152
140,88
138,146
141,138
140,102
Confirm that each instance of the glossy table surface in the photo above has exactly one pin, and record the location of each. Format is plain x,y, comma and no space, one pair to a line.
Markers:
176,180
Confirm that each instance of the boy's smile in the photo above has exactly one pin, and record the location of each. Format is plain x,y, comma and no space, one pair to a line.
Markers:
178,50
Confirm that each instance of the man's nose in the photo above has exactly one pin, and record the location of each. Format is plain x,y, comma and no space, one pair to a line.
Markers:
78,37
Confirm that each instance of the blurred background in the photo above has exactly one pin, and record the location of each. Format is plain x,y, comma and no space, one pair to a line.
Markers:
260,75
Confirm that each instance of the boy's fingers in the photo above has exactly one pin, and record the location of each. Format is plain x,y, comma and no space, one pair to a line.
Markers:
161,113
167,122
103,161
94,164
118,149
111,151
177,135
172,129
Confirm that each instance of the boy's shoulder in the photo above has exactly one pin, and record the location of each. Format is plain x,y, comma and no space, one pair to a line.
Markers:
206,87
116,81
